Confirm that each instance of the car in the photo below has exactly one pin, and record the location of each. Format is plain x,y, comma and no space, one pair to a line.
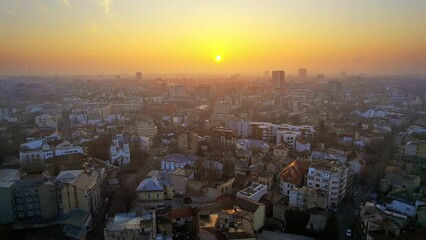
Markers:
349,232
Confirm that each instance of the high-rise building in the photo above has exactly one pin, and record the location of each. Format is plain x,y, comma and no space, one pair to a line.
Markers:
303,73
278,78
139,76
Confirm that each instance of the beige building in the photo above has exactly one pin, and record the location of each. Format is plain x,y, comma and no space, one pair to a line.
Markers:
332,177
146,128
180,178
266,178
79,189
46,121
398,179
188,143
253,211
307,198
123,107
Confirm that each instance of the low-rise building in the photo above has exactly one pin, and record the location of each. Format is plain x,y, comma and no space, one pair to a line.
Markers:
80,189
188,142
37,151
46,121
398,179
154,189
251,210
132,225
293,176
180,178
401,201
172,162
254,192
223,138
266,178
8,177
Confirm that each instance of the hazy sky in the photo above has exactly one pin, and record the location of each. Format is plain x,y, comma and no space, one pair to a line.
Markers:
178,36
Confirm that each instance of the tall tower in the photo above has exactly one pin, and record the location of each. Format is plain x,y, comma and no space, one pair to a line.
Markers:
303,73
139,76
278,78
66,124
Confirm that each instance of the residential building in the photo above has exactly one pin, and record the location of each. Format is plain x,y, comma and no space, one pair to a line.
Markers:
80,189
308,198
46,121
281,151
172,162
254,192
188,142
146,128
266,178
180,178
223,138
401,201
398,179
378,224
293,176
8,177
39,150
154,189
123,107
278,78
251,210
132,225
332,177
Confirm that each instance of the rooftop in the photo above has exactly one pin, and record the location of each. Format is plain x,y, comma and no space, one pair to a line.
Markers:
294,173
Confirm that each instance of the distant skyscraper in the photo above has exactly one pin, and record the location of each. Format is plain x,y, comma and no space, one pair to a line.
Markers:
278,78
139,76
303,72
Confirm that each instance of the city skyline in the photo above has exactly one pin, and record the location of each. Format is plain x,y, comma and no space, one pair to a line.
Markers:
110,37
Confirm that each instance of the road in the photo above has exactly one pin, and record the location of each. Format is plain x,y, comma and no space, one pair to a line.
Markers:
345,216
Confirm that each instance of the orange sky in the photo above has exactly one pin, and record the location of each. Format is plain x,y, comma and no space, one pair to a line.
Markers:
158,36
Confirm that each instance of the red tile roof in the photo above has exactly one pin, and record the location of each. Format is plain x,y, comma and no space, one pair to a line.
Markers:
294,173
181,213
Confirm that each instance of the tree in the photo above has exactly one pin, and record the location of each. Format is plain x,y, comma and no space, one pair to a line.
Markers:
330,230
296,221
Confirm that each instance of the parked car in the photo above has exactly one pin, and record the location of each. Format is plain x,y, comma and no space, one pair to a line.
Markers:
349,232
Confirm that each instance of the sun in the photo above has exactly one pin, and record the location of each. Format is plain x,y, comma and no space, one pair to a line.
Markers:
218,58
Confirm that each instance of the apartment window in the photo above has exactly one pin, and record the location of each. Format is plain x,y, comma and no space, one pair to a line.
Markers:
30,213
28,200
29,206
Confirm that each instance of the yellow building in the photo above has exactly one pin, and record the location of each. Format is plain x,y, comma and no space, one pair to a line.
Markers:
154,189
79,189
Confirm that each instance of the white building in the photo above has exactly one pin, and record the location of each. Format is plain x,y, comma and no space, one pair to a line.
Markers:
254,192
41,149
119,151
172,162
131,225
46,121
332,177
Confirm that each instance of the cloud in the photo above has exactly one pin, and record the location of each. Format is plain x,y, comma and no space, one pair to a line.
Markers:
66,3
8,11
107,4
